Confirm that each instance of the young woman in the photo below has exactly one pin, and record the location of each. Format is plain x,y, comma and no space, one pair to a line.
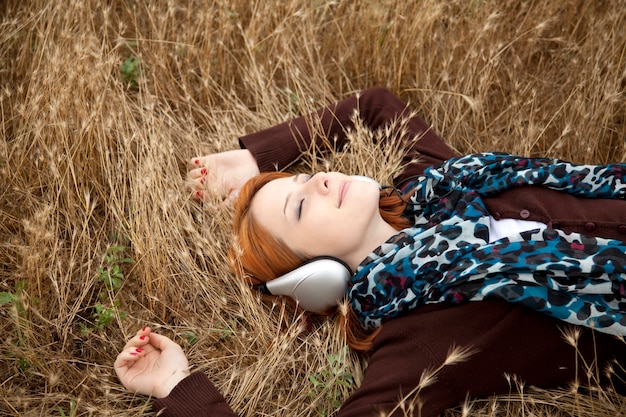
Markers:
452,250
508,338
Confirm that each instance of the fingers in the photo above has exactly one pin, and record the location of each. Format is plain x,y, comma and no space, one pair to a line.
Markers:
163,342
127,358
197,161
141,339
196,173
145,341
201,178
204,185
197,177
219,177
196,183
135,349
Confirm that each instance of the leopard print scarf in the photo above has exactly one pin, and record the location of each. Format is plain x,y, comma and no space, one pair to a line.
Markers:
447,257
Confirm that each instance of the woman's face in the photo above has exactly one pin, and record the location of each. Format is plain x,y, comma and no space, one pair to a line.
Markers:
328,214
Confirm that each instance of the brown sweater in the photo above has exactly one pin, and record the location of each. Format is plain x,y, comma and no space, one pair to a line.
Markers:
508,339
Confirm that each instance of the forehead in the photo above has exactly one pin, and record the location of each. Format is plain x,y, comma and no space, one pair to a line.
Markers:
271,196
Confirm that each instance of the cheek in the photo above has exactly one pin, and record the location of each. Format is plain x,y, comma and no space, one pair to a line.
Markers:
330,220
337,230
327,229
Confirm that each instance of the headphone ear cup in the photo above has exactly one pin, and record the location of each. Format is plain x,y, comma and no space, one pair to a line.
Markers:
316,286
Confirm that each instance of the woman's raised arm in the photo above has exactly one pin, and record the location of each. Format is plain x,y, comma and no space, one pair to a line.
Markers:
278,146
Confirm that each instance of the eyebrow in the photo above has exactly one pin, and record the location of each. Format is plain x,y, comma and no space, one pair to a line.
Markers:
285,206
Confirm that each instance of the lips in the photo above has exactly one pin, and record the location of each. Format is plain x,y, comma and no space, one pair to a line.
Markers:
343,190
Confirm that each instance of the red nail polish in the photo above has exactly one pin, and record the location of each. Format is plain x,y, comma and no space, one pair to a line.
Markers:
199,194
144,328
203,171
142,337
196,161
133,353
139,350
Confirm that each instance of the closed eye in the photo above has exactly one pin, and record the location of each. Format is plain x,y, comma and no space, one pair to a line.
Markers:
300,204
302,178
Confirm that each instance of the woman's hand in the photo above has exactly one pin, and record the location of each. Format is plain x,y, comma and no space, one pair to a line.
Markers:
151,364
221,174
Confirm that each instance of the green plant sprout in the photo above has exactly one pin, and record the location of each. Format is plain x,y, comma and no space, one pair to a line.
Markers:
72,412
130,68
112,276
330,382
225,330
18,314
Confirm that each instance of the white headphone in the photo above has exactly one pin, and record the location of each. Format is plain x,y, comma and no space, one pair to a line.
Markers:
318,284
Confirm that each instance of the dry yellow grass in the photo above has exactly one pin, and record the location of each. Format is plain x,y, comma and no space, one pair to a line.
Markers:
91,160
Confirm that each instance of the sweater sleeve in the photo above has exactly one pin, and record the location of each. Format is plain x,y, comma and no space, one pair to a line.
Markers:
194,396
277,147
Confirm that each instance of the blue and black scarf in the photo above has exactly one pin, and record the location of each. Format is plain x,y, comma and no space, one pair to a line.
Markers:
447,255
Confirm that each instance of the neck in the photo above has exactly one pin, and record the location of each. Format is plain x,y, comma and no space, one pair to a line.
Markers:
379,235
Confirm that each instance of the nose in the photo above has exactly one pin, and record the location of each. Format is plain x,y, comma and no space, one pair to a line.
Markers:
320,183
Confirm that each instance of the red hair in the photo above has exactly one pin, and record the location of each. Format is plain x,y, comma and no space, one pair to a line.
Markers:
257,256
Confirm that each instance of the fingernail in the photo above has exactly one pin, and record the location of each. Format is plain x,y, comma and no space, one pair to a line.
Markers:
144,328
142,337
139,350
133,353
196,161
199,194
203,171
202,180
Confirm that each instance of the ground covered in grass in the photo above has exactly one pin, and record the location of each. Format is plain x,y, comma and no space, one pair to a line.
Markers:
102,104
